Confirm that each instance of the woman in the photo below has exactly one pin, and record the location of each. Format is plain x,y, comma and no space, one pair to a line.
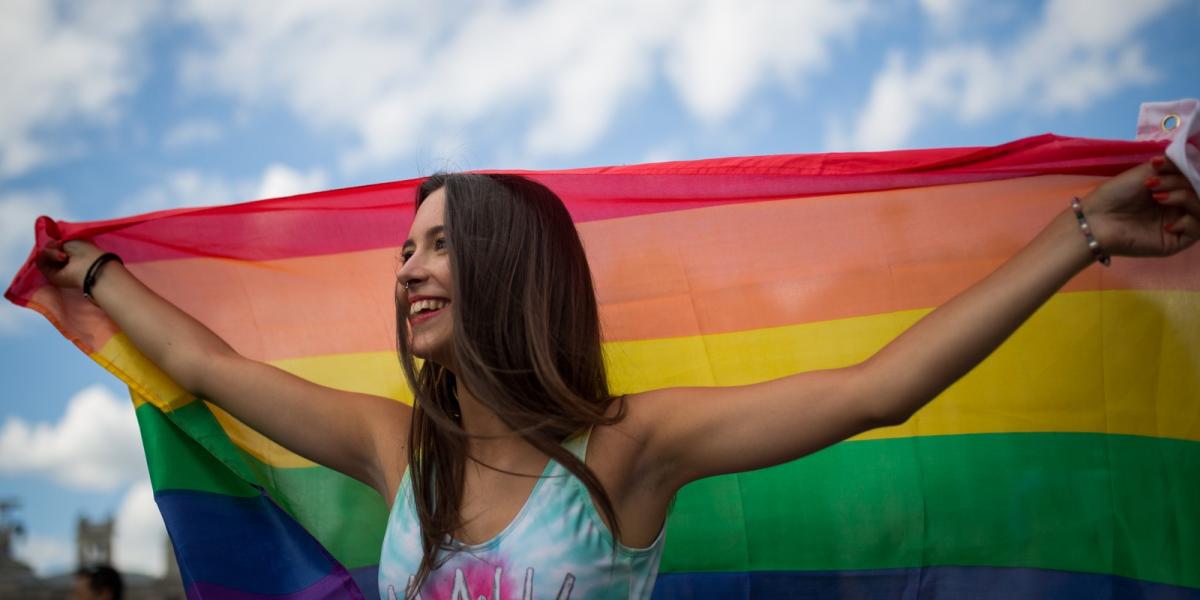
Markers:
517,474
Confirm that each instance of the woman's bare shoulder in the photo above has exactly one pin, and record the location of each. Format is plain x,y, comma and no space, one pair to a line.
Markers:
615,450
617,454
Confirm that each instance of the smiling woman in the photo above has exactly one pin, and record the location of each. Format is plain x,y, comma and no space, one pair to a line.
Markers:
430,272
518,353
743,331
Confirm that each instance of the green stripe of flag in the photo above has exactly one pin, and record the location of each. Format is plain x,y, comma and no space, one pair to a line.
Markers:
344,515
1123,505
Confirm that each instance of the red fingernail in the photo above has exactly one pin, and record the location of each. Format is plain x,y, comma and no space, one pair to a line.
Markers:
1158,161
1160,196
1152,182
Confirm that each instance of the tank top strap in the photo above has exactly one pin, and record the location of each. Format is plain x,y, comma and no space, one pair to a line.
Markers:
577,444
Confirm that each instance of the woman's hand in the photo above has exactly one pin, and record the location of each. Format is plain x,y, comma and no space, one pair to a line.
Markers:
1149,210
65,264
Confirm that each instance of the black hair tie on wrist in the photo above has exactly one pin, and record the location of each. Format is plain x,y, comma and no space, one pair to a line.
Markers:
89,280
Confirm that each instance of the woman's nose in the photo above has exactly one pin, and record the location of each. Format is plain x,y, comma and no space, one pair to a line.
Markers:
410,273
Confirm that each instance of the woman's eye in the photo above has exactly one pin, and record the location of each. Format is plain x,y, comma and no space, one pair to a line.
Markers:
440,244
404,256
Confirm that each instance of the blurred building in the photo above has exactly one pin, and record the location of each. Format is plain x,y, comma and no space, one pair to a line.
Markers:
93,546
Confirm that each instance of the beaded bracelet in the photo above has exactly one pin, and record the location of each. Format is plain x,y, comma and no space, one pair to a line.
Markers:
89,280
1098,252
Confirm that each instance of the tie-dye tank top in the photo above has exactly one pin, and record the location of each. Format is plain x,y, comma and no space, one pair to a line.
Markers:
556,548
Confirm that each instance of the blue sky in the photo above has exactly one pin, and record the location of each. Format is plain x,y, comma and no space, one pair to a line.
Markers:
125,107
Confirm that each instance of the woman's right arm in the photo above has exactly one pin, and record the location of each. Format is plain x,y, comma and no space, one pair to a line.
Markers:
361,435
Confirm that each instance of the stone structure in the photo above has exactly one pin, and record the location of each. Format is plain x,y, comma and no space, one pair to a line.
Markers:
93,542
14,575
93,546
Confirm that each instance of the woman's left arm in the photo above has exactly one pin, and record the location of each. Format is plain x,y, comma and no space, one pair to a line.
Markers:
697,432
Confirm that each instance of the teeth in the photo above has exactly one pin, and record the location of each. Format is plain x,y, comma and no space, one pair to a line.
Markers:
423,305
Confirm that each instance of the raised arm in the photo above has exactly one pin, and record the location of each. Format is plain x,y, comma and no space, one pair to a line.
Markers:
360,435
697,432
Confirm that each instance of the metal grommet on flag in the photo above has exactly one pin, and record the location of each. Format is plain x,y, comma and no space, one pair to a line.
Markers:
1170,122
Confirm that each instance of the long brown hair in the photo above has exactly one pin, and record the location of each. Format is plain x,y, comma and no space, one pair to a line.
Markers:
526,343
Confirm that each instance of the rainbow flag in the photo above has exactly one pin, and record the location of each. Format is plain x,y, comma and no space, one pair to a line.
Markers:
1066,465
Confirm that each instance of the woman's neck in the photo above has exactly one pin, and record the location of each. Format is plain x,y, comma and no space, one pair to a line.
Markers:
492,442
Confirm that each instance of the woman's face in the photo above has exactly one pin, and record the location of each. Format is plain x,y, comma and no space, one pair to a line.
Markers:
423,283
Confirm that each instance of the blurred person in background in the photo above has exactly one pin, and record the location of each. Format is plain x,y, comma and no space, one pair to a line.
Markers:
100,582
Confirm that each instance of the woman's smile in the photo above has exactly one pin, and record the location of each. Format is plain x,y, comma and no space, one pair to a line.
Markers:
424,308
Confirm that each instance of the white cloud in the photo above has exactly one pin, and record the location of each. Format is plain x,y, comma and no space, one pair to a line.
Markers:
191,133
190,187
186,187
46,555
596,76
139,537
723,51
94,446
18,211
280,180
1079,52
393,75
665,151
63,63
945,14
